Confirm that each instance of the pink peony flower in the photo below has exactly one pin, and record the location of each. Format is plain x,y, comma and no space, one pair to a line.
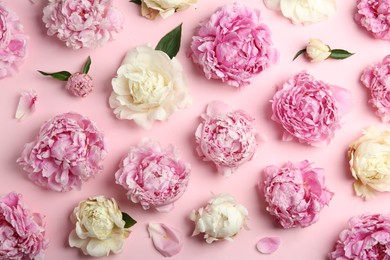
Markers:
80,84
295,193
233,45
152,176
22,233
377,78
309,109
374,16
226,137
368,238
69,149
82,24
13,42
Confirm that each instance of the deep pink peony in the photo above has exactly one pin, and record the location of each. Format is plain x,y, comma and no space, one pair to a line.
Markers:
295,193
377,78
227,137
81,23
13,42
374,16
22,233
309,109
69,149
152,176
79,84
367,238
233,45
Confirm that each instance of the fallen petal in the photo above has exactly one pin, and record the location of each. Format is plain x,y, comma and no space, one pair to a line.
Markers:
268,245
166,240
26,106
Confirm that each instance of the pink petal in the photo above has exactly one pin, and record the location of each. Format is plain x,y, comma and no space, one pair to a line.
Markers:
26,106
166,240
217,107
268,245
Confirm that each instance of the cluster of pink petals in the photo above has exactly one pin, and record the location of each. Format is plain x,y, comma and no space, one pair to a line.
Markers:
68,150
227,137
374,16
13,42
310,110
368,238
377,78
233,45
79,84
295,193
152,176
82,24
22,233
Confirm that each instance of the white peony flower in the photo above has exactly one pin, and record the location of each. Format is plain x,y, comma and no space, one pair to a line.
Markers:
164,8
317,50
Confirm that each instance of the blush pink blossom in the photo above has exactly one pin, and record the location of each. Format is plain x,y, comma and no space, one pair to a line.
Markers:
152,176
310,110
79,84
68,150
233,45
295,193
13,42
367,237
22,233
82,24
377,79
374,16
227,137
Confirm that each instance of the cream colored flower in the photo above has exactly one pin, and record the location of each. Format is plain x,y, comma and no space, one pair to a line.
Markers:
222,218
149,86
317,50
151,8
99,227
369,160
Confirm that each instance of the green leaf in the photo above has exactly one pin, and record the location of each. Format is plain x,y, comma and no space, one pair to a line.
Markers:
87,65
340,54
138,2
128,220
170,43
60,75
299,53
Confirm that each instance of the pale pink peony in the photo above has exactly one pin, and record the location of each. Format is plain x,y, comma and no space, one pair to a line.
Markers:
69,149
295,193
227,137
377,78
233,45
22,233
152,176
82,24
79,84
13,42
374,16
367,238
309,109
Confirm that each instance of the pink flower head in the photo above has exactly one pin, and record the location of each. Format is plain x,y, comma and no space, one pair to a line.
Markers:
374,16
82,24
377,78
310,109
295,193
79,84
226,137
22,233
13,42
368,238
69,149
233,45
152,176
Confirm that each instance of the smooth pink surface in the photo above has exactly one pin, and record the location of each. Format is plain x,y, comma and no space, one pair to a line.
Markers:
49,54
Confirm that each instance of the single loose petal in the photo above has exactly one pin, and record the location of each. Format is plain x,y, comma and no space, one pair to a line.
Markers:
168,241
268,245
27,104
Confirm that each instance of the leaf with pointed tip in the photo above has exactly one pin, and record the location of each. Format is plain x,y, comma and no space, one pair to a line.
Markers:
60,75
170,43
299,53
137,2
340,54
129,221
87,65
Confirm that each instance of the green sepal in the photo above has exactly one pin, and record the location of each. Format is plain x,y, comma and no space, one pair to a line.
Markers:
170,43
299,53
137,2
129,221
340,54
87,65
60,75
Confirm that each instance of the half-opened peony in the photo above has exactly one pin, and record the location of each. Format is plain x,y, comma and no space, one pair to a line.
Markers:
149,87
374,17
317,50
164,8
369,161
80,84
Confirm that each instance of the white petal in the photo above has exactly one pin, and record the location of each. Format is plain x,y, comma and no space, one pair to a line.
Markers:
27,104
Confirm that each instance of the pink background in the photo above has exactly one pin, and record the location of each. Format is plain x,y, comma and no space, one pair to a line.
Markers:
49,54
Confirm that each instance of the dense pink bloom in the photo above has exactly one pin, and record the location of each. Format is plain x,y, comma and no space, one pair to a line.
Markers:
310,109
152,176
227,137
13,42
377,78
295,193
82,23
22,233
233,45
69,149
80,84
374,16
367,238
